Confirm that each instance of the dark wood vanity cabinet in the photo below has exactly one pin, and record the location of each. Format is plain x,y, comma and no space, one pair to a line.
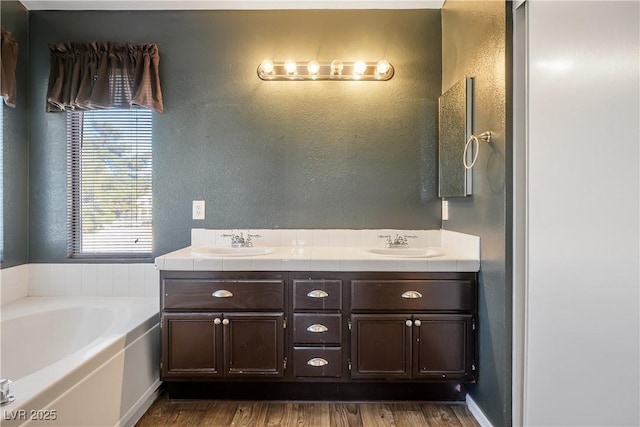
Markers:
317,328
300,327
395,346
216,345
254,345
380,346
413,329
222,328
191,345
444,347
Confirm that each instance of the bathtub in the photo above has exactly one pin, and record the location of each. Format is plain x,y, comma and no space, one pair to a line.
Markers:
79,361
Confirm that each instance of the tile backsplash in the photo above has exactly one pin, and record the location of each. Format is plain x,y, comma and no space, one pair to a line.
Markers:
117,280
318,237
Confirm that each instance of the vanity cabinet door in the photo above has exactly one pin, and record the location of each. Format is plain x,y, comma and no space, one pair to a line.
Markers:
254,345
380,346
191,345
442,346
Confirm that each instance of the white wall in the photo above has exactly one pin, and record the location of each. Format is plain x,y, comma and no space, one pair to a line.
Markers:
582,324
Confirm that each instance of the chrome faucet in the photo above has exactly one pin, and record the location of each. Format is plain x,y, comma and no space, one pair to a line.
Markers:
399,242
240,241
5,391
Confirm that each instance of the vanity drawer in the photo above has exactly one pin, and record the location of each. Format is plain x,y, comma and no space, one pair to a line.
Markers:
317,362
213,294
410,295
317,328
317,294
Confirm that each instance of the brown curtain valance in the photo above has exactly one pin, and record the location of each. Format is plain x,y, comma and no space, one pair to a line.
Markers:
101,75
8,62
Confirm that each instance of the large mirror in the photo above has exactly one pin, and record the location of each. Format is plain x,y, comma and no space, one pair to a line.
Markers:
455,127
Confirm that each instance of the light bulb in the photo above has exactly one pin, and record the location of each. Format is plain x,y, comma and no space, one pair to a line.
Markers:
383,67
290,66
359,67
336,67
313,67
266,66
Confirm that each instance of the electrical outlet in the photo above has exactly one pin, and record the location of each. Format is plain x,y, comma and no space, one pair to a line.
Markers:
198,209
445,210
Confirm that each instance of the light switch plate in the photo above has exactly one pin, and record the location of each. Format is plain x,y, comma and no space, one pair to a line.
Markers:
445,210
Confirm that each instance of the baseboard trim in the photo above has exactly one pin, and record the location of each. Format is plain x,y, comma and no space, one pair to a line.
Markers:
317,391
477,413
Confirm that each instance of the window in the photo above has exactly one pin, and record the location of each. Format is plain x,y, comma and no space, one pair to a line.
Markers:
109,183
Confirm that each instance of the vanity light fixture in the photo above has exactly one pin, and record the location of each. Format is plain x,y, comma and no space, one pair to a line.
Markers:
336,67
334,70
313,68
290,67
266,66
359,67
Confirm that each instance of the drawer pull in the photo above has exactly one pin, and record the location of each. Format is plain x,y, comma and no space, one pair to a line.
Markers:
222,293
317,328
317,361
317,293
412,295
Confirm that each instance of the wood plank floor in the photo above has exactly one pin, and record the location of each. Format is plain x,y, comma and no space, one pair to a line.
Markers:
215,413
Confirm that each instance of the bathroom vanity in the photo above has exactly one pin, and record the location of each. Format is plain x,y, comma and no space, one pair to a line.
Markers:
343,331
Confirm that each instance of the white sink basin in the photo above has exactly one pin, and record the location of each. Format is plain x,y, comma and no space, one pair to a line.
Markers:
224,252
407,252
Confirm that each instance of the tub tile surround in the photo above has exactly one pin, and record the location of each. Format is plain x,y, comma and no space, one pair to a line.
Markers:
327,250
116,280
14,283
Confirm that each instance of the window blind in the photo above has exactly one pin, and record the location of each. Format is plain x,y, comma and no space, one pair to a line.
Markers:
109,183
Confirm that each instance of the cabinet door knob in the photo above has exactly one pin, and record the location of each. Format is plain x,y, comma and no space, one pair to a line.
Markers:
317,293
317,328
222,293
408,323
317,361
417,322
217,321
412,295
225,322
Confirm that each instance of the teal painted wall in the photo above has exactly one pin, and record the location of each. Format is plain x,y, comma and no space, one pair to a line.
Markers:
475,44
261,154
15,145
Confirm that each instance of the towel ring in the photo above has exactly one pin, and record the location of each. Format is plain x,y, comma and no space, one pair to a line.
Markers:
484,137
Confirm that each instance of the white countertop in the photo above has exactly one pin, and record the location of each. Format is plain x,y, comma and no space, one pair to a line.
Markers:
461,254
